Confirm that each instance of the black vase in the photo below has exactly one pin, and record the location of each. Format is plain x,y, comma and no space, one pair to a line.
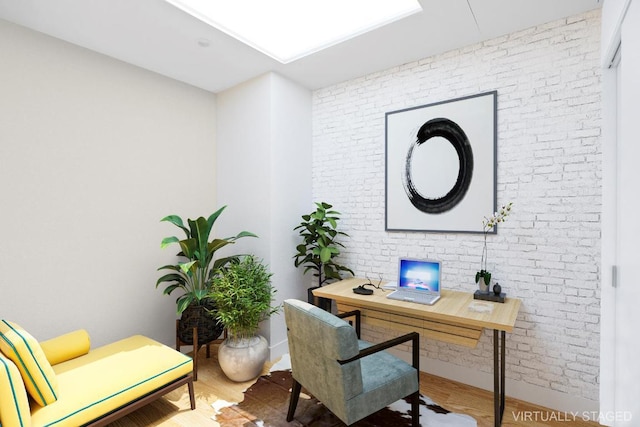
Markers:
203,317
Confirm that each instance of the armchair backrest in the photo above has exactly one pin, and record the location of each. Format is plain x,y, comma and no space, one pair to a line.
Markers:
317,340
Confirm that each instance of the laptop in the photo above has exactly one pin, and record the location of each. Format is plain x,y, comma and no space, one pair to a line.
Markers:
418,281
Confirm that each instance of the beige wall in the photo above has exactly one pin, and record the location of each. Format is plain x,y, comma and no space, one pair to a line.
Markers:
93,153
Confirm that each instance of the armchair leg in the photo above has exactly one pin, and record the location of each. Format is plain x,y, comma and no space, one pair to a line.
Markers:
415,409
293,401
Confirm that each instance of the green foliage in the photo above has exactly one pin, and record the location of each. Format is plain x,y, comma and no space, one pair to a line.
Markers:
194,274
486,277
319,246
242,293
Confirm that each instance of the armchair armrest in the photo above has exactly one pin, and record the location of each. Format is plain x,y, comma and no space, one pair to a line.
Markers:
354,313
414,337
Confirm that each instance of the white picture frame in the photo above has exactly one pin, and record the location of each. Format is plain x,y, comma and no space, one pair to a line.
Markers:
441,165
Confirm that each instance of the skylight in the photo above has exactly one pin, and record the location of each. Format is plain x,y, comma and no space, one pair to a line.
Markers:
288,30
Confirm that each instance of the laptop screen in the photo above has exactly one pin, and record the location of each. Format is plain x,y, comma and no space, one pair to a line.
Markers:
422,275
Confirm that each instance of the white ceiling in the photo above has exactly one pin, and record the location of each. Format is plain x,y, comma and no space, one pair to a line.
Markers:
154,35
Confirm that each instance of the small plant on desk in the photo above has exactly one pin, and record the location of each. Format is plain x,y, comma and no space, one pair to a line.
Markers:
483,277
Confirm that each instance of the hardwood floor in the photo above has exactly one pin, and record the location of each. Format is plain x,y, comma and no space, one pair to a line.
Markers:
478,403
173,409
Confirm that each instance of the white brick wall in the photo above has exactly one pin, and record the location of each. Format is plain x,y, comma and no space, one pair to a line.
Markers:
548,252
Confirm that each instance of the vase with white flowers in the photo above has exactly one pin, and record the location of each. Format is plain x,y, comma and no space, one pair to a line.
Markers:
483,277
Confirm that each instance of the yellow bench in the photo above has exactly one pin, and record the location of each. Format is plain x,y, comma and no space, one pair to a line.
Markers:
88,387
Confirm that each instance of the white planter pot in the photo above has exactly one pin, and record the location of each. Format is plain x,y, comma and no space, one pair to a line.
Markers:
484,288
243,359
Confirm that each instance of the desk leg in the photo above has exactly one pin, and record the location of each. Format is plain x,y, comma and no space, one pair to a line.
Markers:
498,375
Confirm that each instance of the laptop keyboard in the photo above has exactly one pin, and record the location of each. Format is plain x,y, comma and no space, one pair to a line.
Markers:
413,297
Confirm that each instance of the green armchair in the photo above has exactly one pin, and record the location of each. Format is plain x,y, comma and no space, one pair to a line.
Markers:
351,377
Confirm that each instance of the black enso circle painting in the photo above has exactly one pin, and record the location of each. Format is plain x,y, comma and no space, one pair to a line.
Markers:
440,165
452,132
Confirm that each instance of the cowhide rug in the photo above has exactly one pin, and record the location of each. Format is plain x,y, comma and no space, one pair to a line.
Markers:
266,403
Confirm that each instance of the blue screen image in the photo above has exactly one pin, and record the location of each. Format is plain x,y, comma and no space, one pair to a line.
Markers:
423,275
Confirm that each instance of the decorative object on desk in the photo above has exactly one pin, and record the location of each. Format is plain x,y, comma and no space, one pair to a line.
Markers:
242,293
496,296
265,404
193,274
489,296
441,164
320,247
483,277
481,307
497,289
361,290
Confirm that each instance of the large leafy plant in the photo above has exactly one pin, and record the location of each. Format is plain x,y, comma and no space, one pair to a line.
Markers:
242,294
319,245
193,275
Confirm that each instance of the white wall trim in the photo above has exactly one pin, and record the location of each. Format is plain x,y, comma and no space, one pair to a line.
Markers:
279,349
610,43
609,239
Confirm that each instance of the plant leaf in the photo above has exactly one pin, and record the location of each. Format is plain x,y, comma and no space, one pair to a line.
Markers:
183,302
200,232
245,234
177,221
167,241
171,277
189,247
200,293
185,267
214,216
171,288
325,254
169,267
221,262
217,244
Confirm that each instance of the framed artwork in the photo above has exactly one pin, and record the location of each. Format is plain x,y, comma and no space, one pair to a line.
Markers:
441,165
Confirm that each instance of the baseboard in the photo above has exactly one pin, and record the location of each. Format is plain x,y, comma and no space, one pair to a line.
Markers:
278,349
537,395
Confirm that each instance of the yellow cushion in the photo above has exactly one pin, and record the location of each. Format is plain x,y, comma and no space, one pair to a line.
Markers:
66,347
110,377
14,405
37,374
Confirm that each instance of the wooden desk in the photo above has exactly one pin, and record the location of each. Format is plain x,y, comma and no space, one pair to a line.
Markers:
449,320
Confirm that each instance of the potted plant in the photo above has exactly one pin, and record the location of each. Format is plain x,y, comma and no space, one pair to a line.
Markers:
193,274
483,277
242,294
319,247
